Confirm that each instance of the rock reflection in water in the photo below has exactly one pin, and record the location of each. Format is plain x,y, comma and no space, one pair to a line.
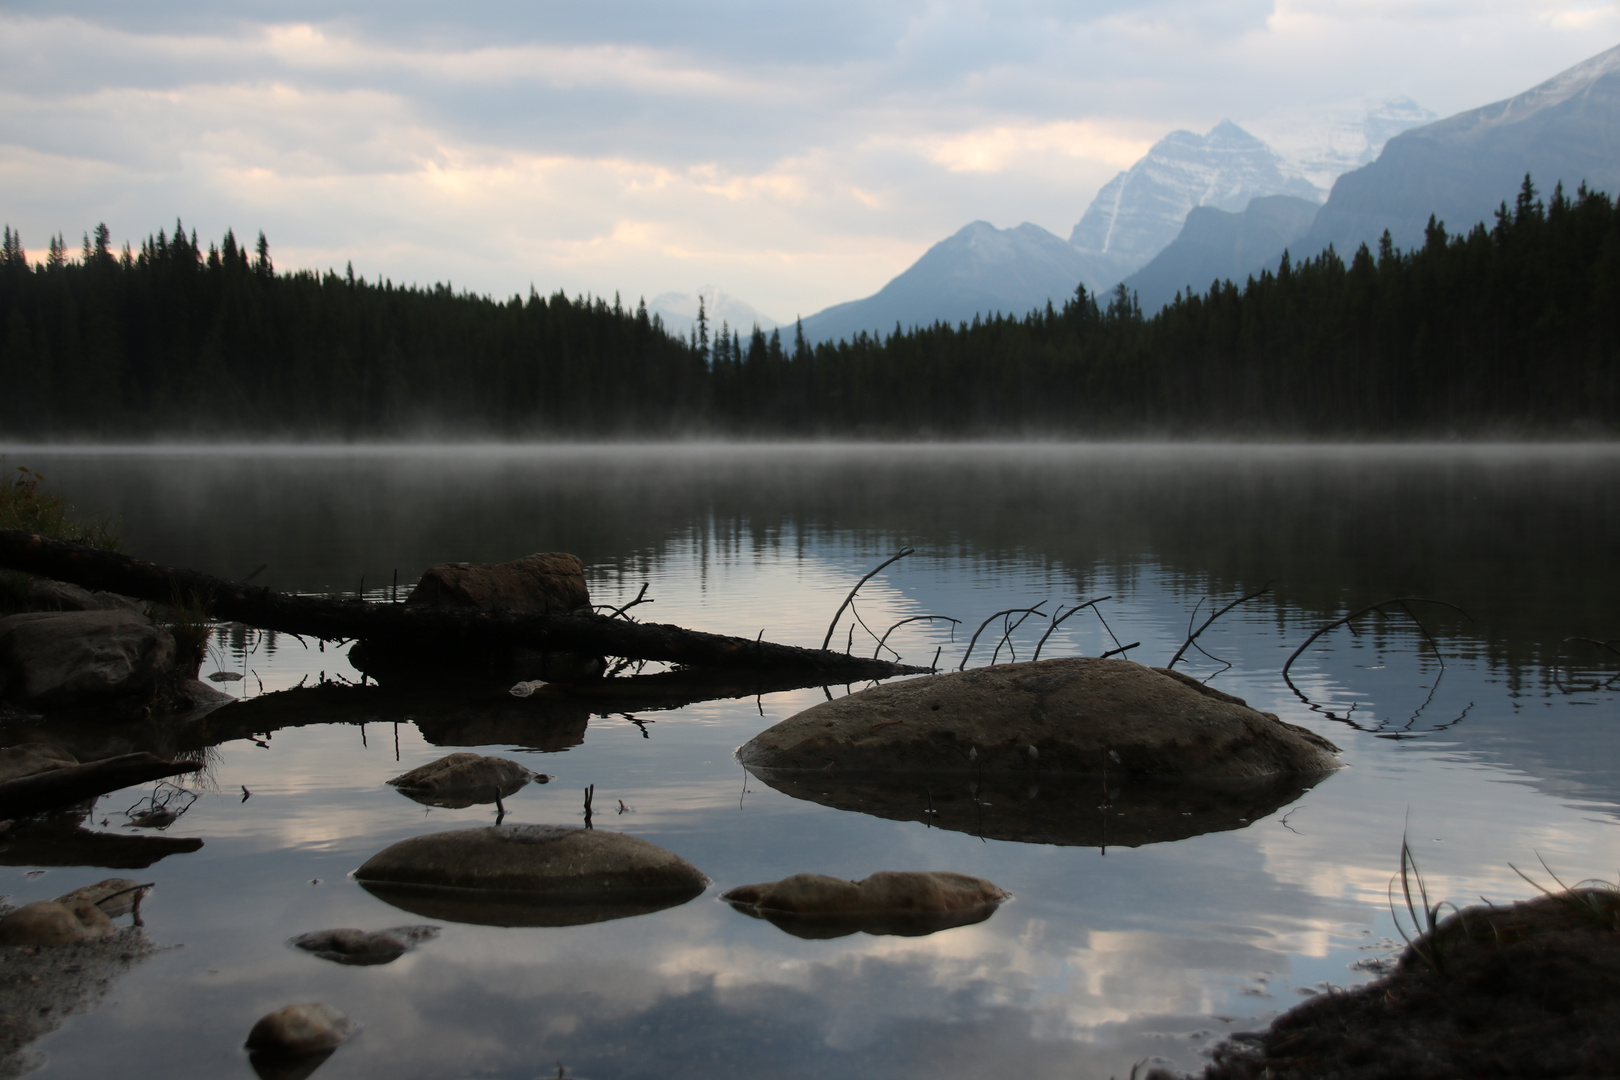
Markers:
490,907
1070,810
63,841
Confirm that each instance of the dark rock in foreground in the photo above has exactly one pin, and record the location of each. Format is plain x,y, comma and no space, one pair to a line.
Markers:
1062,809
530,875
1528,989
1076,715
59,660
905,903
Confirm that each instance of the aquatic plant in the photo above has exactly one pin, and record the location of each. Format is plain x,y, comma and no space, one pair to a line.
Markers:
1424,942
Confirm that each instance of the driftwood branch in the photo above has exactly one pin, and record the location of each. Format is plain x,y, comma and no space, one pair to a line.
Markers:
1010,611
1057,621
902,553
410,625
911,619
71,784
1193,636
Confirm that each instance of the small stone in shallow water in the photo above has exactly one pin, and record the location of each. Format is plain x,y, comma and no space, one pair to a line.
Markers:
51,922
363,948
462,779
300,1029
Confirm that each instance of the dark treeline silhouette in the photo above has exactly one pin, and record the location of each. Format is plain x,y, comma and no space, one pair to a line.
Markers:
1508,327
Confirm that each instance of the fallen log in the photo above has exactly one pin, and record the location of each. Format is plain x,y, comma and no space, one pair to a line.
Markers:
71,784
411,626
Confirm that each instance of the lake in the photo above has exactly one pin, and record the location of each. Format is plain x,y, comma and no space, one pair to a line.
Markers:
1493,746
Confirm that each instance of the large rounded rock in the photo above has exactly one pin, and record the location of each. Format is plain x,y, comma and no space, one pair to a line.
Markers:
53,660
530,875
1077,716
463,779
907,903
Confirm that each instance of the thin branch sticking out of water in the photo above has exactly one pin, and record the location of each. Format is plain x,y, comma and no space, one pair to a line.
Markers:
914,618
1010,611
1057,621
902,553
1193,635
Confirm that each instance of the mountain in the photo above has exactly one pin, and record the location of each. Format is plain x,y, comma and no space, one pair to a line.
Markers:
1139,212
1460,169
1217,245
979,270
679,311
1322,143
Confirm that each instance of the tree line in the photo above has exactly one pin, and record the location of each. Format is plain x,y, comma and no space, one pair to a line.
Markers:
1512,326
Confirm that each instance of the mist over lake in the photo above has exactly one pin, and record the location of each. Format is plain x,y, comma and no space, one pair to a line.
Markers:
1492,745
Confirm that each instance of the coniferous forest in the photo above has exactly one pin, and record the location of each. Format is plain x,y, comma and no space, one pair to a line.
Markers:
1508,328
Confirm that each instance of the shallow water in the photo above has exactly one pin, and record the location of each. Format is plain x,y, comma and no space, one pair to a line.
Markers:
1105,957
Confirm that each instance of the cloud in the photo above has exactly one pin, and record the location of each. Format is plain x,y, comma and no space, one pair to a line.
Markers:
794,155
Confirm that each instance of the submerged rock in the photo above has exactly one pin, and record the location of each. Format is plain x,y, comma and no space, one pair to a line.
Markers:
529,875
51,922
1077,715
55,660
906,903
114,896
41,987
459,780
297,1030
363,948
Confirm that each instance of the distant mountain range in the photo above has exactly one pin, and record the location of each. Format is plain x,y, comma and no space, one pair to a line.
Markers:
679,312
1225,205
1461,169
1136,216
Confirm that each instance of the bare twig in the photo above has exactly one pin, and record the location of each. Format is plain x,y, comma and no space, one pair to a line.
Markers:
1122,648
1007,633
914,618
616,612
1193,636
1010,611
1057,621
903,552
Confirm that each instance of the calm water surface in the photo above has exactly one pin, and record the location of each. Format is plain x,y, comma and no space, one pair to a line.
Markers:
1500,750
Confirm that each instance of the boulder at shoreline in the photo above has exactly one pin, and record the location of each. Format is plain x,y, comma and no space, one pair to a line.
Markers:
58,660
1077,715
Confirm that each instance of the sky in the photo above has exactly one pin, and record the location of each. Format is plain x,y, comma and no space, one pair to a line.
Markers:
794,155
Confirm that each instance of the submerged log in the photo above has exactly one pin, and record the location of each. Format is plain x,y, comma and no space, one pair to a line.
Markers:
75,783
407,626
